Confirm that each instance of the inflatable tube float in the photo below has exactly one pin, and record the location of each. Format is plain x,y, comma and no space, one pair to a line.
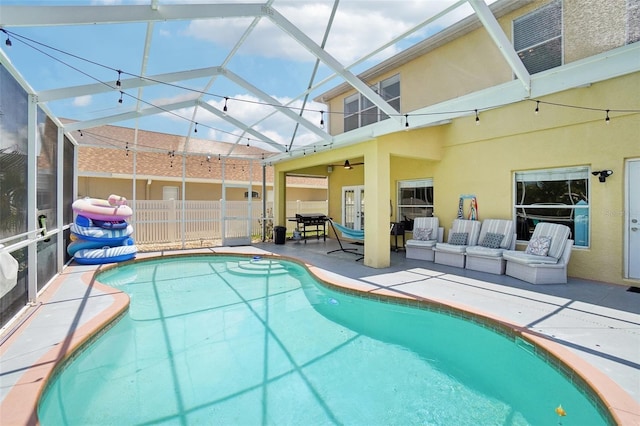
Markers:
106,224
108,237
95,208
105,255
78,245
110,224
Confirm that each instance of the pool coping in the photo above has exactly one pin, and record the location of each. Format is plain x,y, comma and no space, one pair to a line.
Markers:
20,404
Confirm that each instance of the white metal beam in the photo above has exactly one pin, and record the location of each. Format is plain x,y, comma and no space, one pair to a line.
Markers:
36,16
80,125
126,84
272,101
332,63
500,39
241,125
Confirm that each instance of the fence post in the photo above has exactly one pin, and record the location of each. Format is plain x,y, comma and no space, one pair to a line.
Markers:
172,221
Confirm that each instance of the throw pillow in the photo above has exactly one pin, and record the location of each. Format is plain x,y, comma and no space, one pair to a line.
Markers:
492,240
422,234
458,238
539,246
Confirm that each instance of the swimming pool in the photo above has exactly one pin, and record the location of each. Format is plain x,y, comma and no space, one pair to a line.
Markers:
235,340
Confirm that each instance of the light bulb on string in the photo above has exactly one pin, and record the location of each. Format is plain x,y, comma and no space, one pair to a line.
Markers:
537,110
477,118
322,119
121,95
224,108
7,42
607,120
195,128
118,82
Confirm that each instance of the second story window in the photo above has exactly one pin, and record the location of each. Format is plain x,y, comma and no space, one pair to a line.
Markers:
537,38
360,111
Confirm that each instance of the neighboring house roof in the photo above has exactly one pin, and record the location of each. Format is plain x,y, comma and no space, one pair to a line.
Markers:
109,151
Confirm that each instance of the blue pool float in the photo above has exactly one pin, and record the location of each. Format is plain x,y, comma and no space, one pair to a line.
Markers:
105,255
106,236
80,244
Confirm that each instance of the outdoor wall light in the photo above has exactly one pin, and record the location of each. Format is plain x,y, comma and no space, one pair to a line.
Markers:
602,174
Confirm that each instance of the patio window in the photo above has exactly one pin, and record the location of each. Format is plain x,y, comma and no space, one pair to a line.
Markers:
537,38
415,199
359,111
553,195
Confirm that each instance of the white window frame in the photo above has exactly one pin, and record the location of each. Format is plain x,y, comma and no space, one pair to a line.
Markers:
579,214
366,108
413,183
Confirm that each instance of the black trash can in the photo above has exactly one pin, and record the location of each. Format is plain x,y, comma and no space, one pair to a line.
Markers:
279,234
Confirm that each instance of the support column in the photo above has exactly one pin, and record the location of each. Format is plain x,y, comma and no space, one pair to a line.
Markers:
279,198
377,176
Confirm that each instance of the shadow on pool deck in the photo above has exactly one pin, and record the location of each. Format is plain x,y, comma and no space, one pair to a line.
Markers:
598,322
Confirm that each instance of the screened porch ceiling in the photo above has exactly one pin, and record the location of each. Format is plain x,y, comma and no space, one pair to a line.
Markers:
238,72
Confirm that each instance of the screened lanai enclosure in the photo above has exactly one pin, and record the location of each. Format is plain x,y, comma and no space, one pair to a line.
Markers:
240,86
240,73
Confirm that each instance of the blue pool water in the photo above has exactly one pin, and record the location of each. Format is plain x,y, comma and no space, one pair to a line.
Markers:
241,341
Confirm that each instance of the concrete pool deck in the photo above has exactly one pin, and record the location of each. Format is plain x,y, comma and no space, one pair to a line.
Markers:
594,327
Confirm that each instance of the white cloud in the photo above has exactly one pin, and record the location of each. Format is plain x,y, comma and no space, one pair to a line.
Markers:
249,110
82,101
359,27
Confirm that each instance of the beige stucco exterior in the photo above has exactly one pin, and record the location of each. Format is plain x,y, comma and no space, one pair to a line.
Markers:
464,158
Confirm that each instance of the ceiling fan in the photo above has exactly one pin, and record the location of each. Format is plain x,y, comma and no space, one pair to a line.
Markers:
347,165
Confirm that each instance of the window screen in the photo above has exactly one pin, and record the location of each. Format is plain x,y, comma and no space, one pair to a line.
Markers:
537,38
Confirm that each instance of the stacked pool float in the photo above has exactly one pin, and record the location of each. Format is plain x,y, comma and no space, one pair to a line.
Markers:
101,231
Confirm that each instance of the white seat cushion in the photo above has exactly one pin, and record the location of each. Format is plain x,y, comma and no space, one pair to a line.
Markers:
484,251
451,248
528,259
420,243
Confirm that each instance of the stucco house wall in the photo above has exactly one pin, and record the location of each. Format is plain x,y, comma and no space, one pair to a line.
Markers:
462,157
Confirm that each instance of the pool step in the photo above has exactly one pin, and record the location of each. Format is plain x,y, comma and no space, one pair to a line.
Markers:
256,267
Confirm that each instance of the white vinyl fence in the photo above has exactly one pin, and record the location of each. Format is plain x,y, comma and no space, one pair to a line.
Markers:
165,222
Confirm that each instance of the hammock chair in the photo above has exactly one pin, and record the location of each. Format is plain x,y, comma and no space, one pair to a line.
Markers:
351,234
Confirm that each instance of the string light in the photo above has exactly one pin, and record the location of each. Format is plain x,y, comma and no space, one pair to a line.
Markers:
195,128
225,109
322,119
7,42
81,135
406,120
537,110
118,83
